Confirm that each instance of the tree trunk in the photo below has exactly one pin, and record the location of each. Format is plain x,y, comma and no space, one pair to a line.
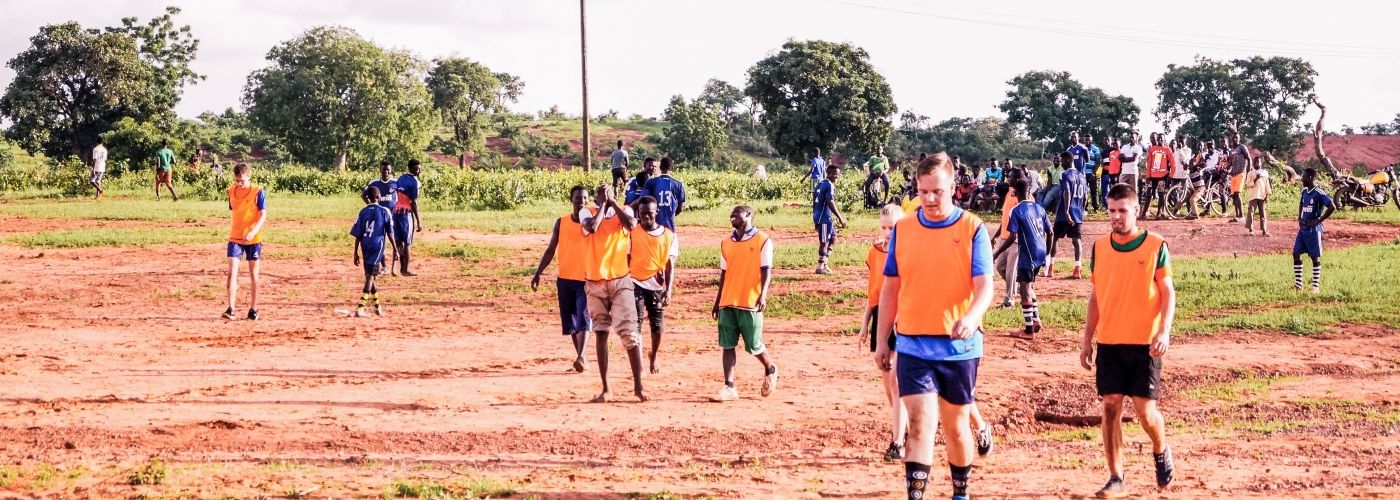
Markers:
462,160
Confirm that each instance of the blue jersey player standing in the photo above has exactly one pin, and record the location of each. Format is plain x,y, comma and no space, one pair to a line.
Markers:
669,193
406,220
1028,226
388,189
370,231
1069,216
823,211
1314,206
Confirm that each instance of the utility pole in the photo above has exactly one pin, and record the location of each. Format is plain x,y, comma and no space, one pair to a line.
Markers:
583,51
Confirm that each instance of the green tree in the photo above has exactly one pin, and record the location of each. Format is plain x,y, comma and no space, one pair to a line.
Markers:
816,93
973,139
333,98
511,89
696,132
724,97
72,84
1052,104
1262,97
466,94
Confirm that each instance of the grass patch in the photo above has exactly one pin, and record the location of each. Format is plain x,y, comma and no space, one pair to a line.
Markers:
705,255
152,473
6,475
1247,388
1269,427
814,304
149,236
1073,435
474,488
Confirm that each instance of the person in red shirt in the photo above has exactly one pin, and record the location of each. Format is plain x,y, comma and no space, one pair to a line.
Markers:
1159,170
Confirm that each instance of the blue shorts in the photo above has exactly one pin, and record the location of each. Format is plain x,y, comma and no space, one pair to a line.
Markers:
573,307
826,233
403,228
954,381
1308,241
372,254
249,252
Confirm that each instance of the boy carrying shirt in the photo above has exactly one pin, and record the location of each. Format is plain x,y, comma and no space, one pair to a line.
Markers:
652,268
406,220
745,271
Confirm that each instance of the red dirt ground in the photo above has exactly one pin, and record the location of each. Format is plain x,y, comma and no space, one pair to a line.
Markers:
112,357
1373,151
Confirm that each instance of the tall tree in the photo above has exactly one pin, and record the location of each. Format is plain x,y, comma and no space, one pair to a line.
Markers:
333,98
816,93
695,133
1263,97
724,97
511,89
1052,104
466,94
973,139
72,84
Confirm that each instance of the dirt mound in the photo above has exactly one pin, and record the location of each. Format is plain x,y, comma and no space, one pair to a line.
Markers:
1346,151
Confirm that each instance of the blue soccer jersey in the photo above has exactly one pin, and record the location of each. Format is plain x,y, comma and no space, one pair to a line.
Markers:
408,186
669,193
1030,224
372,224
822,195
1311,205
1072,183
1080,153
388,192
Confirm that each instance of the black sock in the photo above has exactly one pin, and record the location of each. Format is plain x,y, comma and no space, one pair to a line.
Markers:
771,370
960,474
916,478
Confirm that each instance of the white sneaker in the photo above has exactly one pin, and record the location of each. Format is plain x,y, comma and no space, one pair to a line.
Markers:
725,393
770,382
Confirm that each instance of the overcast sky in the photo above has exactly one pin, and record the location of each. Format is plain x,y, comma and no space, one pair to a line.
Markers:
942,59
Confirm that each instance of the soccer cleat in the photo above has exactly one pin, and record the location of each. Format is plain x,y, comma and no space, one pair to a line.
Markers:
725,393
1035,326
1077,274
1164,467
821,270
961,497
894,453
361,312
228,314
1114,489
252,314
984,441
1006,304
770,382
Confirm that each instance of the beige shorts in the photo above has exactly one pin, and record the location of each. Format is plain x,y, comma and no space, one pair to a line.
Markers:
613,306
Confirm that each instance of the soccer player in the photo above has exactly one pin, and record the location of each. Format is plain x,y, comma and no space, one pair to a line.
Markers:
817,167
406,220
745,271
1091,169
567,241
388,188
248,204
165,166
1159,169
652,264
1314,207
638,190
1069,219
669,193
1006,261
99,167
612,300
1129,321
1259,189
370,231
937,307
875,265
823,210
1028,226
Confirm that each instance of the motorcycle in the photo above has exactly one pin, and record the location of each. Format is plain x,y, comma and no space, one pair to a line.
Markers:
1373,191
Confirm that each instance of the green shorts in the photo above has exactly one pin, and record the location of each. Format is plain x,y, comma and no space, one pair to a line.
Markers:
734,323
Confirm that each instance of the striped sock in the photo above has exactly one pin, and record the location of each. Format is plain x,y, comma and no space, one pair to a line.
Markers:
1317,276
1297,276
1035,312
1028,313
364,299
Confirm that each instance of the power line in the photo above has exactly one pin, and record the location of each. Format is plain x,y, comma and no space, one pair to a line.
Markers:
1128,38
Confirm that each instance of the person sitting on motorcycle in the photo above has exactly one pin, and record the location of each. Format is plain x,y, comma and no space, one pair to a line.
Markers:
875,169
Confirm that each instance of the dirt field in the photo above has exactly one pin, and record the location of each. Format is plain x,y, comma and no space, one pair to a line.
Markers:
114,357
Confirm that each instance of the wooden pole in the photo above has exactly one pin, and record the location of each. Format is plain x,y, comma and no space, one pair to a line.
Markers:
583,51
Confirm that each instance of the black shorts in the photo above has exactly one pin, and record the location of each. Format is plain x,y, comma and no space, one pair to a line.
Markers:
875,330
649,302
954,381
1066,229
1129,370
619,173
1026,274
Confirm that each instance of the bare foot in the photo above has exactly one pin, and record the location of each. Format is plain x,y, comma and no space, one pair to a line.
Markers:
654,369
578,365
602,398
643,397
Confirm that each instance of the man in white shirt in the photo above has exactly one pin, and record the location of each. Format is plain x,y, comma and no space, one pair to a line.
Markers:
99,167
1181,158
1130,154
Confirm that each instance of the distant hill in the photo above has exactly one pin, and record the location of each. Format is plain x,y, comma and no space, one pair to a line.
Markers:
1346,151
